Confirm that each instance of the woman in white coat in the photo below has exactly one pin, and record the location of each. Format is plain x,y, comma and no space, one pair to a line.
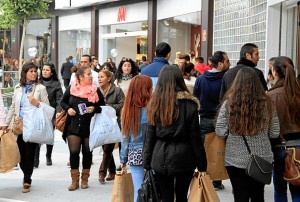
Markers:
28,90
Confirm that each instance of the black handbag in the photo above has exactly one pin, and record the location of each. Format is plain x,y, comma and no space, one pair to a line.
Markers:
258,168
149,190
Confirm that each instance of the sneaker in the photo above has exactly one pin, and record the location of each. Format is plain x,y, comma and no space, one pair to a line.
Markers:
219,187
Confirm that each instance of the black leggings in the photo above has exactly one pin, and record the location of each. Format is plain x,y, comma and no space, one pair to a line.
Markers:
244,187
75,143
167,187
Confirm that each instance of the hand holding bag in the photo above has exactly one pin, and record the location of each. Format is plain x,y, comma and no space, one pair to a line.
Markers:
258,168
123,187
17,127
9,151
292,162
60,120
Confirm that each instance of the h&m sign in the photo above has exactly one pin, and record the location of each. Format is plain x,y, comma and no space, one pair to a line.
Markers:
121,14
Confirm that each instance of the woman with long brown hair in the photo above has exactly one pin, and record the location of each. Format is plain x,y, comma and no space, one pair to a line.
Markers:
286,95
134,122
173,146
246,111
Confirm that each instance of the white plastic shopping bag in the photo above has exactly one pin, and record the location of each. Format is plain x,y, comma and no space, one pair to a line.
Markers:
104,128
37,125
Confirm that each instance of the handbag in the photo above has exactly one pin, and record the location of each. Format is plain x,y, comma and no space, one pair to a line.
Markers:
60,120
135,157
123,190
9,151
215,154
258,168
17,127
292,162
149,190
201,189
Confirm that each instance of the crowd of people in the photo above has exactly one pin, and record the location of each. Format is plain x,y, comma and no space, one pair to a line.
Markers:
164,112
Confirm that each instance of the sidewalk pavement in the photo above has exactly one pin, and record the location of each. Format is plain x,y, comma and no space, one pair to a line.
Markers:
50,183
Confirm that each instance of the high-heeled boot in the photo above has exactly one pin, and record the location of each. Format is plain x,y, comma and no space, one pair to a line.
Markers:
75,179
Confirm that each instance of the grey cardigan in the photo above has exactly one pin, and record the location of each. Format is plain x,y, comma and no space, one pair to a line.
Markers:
236,153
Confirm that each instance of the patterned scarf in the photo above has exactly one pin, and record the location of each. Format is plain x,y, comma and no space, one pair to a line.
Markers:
126,76
28,87
89,92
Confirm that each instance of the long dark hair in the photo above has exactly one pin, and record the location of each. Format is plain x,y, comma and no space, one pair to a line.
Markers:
163,103
25,69
134,69
285,69
138,96
53,72
247,104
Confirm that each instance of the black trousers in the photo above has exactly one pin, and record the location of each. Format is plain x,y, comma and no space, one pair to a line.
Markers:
170,184
244,187
27,153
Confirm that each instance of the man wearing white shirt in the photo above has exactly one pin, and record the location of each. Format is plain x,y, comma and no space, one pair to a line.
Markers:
86,60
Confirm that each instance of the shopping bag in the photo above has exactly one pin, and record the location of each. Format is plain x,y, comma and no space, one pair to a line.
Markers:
215,155
149,190
202,189
60,120
123,188
9,151
37,124
104,128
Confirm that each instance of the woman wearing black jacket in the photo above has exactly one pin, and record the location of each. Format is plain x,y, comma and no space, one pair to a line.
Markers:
50,81
173,146
81,100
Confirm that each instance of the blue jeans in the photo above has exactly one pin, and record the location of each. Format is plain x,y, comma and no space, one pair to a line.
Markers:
280,185
137,173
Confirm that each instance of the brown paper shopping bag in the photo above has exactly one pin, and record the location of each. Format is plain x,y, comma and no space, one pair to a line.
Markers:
9,151
202,190
215,155
123,188
196,189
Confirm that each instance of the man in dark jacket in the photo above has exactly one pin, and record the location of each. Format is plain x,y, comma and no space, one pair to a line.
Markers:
162,55
66,71
249,57
207,90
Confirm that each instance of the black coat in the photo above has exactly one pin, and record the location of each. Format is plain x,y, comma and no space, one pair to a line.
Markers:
55,93
176,148
79,124
66,70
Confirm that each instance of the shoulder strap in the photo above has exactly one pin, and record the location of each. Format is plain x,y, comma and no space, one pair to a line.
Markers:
246,143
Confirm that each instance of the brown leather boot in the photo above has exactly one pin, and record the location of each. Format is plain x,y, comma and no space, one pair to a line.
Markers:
84,178
75,180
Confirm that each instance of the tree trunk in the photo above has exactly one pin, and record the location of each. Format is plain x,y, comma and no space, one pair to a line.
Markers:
22,46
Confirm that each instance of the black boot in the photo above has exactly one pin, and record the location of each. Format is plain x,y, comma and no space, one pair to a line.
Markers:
37,156
48,161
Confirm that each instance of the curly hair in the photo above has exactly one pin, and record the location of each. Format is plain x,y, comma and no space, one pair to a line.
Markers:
134,69
138,96
247,104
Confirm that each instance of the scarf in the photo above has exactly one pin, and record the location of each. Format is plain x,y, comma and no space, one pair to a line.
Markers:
126,76
89,92
28,87
246,62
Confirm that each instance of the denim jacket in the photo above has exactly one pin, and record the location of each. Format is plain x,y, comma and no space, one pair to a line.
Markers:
131,143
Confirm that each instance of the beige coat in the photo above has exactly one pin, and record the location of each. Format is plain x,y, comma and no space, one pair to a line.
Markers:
40,94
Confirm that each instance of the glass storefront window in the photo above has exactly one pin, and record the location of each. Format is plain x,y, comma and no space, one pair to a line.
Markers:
181,32
37,41
123,40
75,43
